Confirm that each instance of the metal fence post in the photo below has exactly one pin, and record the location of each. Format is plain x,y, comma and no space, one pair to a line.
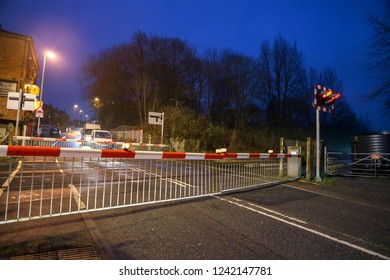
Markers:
281,144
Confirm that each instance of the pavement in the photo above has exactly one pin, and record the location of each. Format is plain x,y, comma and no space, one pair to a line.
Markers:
77,237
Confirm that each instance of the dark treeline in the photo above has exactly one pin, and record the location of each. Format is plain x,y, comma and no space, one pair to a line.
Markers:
223,98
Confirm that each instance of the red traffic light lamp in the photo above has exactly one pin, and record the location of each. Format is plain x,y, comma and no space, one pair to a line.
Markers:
332,98
324,98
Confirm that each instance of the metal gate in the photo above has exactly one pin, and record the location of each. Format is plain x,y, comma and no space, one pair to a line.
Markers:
358,164
40,182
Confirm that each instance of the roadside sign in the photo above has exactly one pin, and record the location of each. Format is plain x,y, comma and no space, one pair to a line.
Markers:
39,112
156,118
375,156
28,101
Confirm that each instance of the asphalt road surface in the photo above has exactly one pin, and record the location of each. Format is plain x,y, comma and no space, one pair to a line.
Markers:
279,222
347,219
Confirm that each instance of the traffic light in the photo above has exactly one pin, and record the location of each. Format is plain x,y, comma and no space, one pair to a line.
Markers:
33,89
324,99
327,98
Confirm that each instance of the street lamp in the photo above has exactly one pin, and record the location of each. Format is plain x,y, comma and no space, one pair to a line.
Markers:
97,105
47,55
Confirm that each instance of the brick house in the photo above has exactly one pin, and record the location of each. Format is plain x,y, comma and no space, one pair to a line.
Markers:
18,66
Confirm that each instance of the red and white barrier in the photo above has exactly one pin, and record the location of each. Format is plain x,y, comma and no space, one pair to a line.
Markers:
99,153
32,138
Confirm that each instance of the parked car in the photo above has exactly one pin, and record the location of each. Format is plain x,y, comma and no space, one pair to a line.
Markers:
45,131
55,132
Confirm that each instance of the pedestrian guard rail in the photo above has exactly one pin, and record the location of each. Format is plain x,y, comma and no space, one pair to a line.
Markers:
39,182
79,143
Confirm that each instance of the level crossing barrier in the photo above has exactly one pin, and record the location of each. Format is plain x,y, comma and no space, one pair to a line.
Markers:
39,182
80,143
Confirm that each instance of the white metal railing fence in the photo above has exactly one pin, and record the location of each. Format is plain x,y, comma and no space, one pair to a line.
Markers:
358,164
76,143
40,182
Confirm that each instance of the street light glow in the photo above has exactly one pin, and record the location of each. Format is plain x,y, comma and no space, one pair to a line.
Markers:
50,54
47,55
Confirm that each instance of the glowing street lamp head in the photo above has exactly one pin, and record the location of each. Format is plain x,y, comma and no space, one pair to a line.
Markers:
50,54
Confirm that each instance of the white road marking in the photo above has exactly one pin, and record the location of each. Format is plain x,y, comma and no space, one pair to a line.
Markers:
367,251
335,197
76,197
58,165
274,212
8,181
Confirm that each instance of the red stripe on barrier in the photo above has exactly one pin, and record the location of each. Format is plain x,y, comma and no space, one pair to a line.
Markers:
33,151
254,155
229,155
213,156
56,152
173,155
118,154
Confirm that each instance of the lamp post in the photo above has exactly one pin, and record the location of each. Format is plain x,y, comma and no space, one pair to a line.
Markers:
97,104
50,55
80,112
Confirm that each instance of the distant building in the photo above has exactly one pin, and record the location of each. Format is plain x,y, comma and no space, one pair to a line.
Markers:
126,133
18,66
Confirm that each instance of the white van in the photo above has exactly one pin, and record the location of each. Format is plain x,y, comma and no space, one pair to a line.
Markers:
101,139
101,136
87,130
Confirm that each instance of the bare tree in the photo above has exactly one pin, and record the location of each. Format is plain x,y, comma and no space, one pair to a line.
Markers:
380,54
282,77
232,87
140,76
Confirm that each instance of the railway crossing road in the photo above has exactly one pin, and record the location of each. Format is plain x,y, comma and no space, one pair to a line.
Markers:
279,222
292,221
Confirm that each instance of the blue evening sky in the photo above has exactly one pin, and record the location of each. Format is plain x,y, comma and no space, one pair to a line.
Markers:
330,33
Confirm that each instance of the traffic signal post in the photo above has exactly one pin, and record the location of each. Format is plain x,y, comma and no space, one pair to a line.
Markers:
324,98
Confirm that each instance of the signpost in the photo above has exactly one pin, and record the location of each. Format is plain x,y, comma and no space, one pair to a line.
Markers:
20,101
157,119
324,98
27,101
39,115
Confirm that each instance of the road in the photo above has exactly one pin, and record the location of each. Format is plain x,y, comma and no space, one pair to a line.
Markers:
279,222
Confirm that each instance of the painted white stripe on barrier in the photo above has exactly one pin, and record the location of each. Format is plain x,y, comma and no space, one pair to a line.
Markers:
148,155
242,155
3,151
80,153
195,156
